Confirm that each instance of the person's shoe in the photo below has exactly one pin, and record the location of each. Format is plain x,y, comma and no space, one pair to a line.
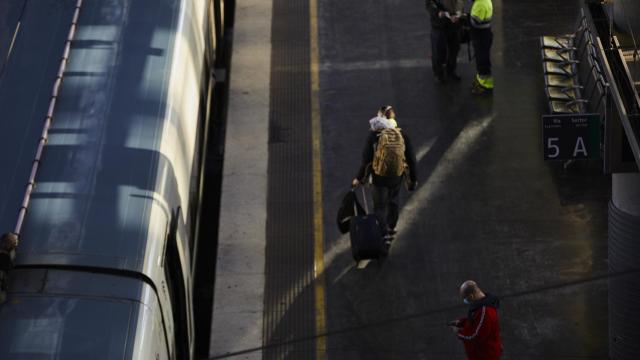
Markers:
454,76
478,89
482,85
439,79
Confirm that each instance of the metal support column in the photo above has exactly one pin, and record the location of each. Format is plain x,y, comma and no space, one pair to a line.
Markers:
624,252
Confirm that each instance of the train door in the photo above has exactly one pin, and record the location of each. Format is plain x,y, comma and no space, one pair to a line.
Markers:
207,83
178,286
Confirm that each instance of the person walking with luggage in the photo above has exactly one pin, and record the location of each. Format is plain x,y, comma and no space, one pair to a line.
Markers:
445,37
388,156
480,330
481,39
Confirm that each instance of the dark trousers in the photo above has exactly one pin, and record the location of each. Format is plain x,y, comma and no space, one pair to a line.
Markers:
385,204
482,40
445,45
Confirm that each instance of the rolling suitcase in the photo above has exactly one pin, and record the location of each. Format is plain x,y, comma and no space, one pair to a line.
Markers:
367,240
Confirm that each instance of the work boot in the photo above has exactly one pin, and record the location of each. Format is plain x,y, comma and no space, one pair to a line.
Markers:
482,85
478,89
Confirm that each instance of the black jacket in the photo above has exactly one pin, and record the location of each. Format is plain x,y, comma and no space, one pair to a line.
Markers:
367,160
434,7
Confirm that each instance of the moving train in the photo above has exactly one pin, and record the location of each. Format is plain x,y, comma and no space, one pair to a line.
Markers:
105,264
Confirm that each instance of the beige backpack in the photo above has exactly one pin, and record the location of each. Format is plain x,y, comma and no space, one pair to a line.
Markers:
388,158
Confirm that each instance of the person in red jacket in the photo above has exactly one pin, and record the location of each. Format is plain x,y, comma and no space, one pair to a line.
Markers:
480,330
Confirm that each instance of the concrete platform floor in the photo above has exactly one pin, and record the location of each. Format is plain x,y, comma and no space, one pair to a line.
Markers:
488,208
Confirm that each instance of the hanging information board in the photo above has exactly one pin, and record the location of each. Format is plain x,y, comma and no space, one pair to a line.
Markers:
571,136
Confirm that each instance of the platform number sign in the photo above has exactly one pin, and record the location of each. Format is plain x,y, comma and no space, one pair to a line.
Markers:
571,136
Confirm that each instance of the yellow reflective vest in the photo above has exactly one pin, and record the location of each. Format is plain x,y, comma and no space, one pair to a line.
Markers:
481,13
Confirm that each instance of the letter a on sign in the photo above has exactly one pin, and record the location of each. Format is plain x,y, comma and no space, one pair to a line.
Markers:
579,147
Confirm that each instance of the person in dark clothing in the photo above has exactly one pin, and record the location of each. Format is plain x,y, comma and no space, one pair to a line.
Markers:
445,37
8,245
386,188
480,330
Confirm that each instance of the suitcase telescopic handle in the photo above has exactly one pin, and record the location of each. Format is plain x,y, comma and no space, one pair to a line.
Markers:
364,199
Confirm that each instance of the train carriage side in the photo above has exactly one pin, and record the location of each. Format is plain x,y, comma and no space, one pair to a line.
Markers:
105,263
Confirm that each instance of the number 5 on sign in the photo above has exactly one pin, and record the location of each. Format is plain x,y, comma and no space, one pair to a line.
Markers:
554,150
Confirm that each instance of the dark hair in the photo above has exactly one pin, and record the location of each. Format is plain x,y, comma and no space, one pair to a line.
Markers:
388,110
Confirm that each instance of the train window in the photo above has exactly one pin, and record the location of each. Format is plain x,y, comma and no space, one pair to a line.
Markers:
177,294
61,327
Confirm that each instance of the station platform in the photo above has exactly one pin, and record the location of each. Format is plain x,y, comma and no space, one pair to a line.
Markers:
305,78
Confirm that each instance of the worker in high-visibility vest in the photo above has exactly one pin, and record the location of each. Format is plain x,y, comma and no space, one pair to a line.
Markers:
481,38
